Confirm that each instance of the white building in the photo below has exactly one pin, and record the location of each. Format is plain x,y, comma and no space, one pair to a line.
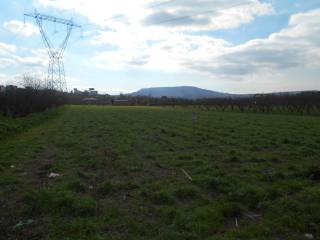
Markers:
92,92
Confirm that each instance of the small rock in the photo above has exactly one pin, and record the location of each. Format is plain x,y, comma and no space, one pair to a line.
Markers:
54,175
91,187
309,236
252,216
24,223
269,170
12,166
125,196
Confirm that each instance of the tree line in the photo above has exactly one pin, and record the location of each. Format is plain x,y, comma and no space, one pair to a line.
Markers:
35,97
300,102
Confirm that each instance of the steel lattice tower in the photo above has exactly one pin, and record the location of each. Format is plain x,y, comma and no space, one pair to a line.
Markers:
56,76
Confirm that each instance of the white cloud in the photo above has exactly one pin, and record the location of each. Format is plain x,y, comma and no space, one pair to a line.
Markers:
9,79
18,27
10,55
207,14
30,61
167,47
204,14
142,38
6,53
3,79
297,45
6,49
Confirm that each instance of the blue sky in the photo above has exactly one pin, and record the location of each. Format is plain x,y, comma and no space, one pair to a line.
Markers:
240,46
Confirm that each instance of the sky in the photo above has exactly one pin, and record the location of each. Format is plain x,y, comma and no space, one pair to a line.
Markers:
238,46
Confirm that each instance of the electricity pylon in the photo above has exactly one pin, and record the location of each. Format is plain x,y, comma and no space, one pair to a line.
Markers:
56,76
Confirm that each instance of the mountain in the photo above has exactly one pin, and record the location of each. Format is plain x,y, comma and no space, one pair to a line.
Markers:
180,92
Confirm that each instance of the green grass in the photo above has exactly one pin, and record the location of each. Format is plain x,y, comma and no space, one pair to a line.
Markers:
122,175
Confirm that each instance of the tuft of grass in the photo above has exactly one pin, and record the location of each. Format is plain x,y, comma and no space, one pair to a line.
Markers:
202,221
162,197
6,180
80,227
186,193
59,202
105,188
77,185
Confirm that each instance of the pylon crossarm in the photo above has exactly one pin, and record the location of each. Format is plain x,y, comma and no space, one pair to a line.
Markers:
52,19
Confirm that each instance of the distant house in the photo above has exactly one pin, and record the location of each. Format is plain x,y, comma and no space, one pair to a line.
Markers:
93,92
90,100
120,102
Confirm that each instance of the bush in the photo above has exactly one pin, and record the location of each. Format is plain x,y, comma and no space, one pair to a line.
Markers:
21,102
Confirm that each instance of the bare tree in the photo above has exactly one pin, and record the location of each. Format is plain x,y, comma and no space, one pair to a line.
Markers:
32,81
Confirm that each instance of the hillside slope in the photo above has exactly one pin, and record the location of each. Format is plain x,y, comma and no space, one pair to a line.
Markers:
180,92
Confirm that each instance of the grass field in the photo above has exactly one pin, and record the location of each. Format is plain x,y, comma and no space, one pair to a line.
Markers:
154,173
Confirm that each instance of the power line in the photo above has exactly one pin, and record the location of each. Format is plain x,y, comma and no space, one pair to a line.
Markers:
161,4
175,19
108,19
179,18
123,15
195,14
170,19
